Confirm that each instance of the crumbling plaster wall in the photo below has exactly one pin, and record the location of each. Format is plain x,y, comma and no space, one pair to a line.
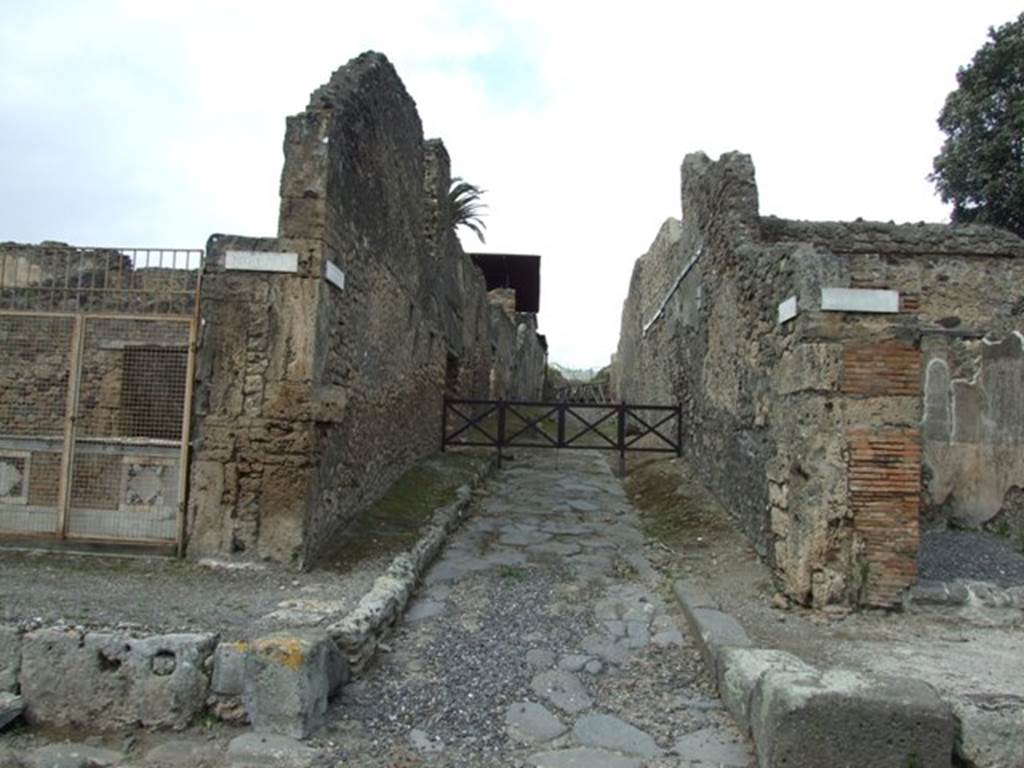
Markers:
312,399
810,427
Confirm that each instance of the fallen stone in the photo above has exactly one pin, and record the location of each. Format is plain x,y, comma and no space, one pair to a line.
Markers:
108,680
583,757
563,690
532,723
612,733
289,677
712,746
255,750
990,730
740,670
842,717
11,707
10,658
539,658
72,756
180,753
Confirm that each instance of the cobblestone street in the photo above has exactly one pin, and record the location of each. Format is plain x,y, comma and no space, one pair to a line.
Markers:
540,638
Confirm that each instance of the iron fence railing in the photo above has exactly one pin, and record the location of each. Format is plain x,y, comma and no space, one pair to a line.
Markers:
502,424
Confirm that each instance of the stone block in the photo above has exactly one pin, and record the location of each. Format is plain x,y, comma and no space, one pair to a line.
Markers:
845,718
740,670
289,677
229,669
10,658
108,680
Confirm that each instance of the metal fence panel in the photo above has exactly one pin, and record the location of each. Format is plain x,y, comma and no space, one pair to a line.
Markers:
126,471
35,367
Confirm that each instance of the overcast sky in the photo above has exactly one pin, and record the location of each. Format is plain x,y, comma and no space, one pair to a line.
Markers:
158,123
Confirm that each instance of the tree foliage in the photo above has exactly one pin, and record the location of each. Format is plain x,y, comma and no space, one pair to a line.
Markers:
465,208
981,166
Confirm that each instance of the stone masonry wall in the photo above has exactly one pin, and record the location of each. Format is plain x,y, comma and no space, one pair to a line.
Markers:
311,398
809,424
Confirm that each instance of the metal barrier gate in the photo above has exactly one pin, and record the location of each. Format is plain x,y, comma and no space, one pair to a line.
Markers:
96,366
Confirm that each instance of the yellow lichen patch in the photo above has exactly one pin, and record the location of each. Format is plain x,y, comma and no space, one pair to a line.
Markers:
285,651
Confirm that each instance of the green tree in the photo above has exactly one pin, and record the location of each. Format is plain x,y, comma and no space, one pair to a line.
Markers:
465,208
981,166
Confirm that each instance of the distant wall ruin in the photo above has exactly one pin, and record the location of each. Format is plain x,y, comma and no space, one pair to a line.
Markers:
318,385
838,379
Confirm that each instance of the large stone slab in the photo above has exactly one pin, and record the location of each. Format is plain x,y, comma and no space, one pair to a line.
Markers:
110,680
289,677
532,723
845,718
715,631
713,746
10,658
562,689
610,732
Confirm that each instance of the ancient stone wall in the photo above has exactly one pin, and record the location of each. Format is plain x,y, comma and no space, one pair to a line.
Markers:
319,386
805,405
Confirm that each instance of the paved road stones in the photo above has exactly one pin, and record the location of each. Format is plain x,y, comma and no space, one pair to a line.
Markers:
562,689
532,723
548,643
610,732
583,757
712,746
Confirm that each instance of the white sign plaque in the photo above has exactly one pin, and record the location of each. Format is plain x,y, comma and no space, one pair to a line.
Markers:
261,261
787,310
859,300
334,275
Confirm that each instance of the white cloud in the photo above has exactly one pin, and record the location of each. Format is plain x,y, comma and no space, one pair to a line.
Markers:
161,122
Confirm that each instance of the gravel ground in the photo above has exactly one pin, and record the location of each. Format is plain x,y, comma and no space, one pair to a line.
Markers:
238,600
949,555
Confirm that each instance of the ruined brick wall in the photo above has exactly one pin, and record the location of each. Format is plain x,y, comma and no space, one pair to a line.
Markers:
313,398
809,422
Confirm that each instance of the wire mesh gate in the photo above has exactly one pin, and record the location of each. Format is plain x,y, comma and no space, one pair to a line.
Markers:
504,424
96,365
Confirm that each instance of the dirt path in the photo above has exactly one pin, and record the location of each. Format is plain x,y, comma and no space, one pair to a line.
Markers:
541,637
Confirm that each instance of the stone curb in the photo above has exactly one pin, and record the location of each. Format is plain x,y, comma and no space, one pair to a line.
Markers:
167,680
360,632
801,717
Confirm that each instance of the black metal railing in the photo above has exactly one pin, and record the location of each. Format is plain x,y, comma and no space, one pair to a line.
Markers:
502,424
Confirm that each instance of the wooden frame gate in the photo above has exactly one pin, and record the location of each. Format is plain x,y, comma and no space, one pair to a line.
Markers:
97,356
